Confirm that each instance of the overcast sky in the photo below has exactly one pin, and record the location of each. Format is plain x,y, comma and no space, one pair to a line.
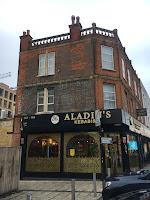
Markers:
51,17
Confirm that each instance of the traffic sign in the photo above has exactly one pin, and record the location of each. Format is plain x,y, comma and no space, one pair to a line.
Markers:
106,140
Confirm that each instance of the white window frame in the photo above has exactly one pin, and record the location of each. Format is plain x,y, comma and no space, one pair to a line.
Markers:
45,100
46,64
106,93
123,69
50,103
107,51
129,77
135,87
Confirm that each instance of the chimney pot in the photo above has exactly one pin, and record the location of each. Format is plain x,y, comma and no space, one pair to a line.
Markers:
115,31
75,28
77,20
93,25
73,19
28,32
24,33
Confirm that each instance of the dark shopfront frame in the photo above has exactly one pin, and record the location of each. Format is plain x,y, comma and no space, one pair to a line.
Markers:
141,140
69,122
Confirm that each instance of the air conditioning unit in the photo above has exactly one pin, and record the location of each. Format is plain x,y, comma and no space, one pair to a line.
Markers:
3,114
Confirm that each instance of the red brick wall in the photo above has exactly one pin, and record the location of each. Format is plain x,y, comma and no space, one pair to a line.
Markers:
78,64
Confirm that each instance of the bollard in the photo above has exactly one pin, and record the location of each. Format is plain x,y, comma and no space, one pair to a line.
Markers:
29,196
94,184
73,188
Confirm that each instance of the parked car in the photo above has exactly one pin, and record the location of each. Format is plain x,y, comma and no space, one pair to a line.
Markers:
115,186
136,195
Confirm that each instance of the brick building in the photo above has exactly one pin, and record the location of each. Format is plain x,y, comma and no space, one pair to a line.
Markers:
62,80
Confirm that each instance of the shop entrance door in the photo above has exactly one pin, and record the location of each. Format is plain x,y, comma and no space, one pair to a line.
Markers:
113,156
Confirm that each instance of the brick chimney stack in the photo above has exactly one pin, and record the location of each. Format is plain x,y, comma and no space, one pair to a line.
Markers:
75,28
25,41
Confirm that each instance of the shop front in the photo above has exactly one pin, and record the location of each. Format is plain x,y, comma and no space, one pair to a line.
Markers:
138,140
68,144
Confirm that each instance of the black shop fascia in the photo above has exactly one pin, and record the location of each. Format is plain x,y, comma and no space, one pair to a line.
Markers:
112,119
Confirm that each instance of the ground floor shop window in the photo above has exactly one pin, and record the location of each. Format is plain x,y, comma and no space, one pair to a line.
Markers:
43,153
133,151
81,152
82,146
43,147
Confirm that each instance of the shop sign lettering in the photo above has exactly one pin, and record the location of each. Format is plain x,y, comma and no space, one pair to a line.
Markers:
85,117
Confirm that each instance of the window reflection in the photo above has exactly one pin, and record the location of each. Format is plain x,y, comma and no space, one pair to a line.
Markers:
43,147
83,146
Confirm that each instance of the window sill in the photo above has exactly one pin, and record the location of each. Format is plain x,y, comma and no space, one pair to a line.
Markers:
110,70
42,113
45,75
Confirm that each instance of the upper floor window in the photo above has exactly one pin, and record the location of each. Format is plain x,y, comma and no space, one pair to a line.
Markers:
109,96
14,97
107,57
135,87
1,92
47,64
5,104
45,100
10,96
6,94
129,78
123,69
0,102
139,93
10,105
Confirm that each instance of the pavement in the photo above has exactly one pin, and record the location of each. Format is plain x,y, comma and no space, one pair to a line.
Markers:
56,190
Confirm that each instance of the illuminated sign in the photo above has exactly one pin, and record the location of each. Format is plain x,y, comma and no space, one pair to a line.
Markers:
84,120
72,152
133,145
85,117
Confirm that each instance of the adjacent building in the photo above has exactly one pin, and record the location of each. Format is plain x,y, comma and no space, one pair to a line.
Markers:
7,101
7,110
62,81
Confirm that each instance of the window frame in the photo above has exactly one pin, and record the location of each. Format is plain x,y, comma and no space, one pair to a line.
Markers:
6,94
46,64
135,88
104,54
1,92
45,103
123,68
129,77
108,99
